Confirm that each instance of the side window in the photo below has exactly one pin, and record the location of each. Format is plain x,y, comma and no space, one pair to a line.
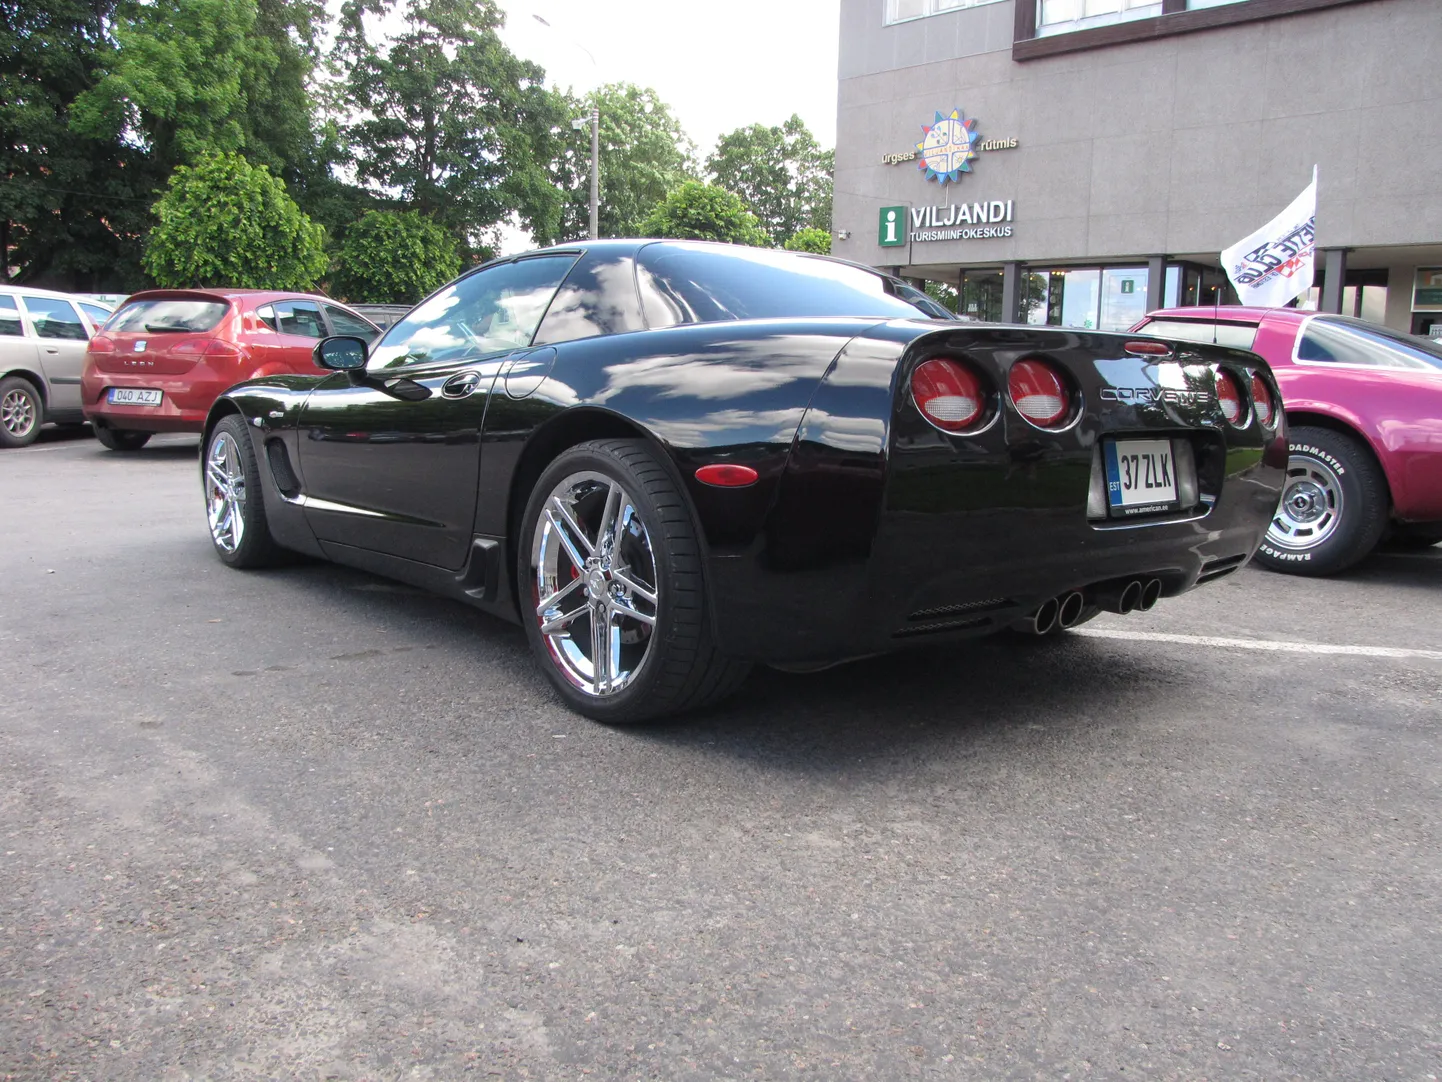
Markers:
54,318
300,318
266,314
11,325
97,315
597,297
1340,343
489,311
343,322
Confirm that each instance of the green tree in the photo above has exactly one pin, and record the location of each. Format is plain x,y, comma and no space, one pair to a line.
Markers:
781,172
645,154
449,122
809,239
697,211
72,207
394,258
227,222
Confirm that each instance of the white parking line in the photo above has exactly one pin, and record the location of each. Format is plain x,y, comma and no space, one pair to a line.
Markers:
1275,645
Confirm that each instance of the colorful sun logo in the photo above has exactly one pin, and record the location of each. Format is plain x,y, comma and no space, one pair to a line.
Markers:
946,149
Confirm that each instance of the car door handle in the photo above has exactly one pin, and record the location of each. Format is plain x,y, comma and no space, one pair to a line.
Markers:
51,349
461,384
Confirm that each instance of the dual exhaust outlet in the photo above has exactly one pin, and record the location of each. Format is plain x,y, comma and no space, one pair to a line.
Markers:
1064,610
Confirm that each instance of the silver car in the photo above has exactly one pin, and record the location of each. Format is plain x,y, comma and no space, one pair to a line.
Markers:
43,335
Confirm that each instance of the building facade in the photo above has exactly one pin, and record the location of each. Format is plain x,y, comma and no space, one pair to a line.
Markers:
1080,162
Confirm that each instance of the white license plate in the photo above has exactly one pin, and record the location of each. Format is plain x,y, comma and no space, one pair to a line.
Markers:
1141,476
134,396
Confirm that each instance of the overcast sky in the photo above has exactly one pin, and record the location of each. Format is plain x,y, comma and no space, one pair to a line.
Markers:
719,65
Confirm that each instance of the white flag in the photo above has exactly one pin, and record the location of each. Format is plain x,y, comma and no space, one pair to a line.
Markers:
1273,265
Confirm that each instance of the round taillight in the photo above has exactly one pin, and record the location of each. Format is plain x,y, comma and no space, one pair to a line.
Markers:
1229,394
1039,392
1262,401
948,394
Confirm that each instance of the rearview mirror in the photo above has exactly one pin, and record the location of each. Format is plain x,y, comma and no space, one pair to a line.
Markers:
341,353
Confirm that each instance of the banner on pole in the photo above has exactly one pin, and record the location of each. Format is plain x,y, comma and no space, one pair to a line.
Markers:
1274,265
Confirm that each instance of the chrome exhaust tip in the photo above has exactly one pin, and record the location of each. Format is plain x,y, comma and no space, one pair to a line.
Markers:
1131,597
1151,593
1070,609
1043,621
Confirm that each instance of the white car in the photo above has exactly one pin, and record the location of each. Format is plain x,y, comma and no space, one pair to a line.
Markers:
43,335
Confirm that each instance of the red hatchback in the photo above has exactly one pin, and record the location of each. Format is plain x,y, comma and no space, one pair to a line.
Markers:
1364,426
160,362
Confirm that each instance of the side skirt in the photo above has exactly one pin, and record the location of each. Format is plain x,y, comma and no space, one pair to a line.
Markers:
482,582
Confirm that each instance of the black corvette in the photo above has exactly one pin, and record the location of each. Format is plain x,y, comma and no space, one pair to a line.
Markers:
668,460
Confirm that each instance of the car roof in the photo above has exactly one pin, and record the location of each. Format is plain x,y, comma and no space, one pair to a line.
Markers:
1233,313
258,296
32,291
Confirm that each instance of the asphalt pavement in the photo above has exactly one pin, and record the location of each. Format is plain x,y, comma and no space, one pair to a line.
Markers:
307,823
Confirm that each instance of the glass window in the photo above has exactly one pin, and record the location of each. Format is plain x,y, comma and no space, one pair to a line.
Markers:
981,295
175,315
1236,335
1059,16
489,311
343,322
1124,297
54,318
1340,340
597,297
1080,298
10,324
901,10
266,314
97,315
300,318
696,283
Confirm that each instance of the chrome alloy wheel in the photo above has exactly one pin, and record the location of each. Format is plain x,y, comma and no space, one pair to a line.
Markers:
1311,506
17,413
595,588
225,492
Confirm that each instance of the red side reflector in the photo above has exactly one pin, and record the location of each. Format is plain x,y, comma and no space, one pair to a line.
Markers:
1039,392
1154,349
1230,396
726,475
948,394
1262,401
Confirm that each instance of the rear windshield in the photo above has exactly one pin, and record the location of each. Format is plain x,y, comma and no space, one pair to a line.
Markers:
1236,335
168,315
685,283
1345,340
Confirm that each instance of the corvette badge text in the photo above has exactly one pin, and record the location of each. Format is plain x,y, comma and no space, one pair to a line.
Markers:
1154,394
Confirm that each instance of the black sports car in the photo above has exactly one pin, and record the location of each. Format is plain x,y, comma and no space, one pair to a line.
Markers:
668,460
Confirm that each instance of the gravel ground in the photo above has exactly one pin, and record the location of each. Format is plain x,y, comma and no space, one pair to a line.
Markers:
311,824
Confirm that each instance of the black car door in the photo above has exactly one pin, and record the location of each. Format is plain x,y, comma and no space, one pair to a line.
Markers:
389,458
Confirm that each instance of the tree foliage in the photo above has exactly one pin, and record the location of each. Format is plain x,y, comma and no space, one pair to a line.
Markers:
645,154
394,258
697,211
781,172
72,207
227,222
449,122
817,241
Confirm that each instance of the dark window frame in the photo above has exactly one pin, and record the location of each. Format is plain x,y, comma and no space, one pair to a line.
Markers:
1174,19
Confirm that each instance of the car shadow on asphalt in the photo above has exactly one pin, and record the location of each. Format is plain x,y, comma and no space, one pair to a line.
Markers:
1421,568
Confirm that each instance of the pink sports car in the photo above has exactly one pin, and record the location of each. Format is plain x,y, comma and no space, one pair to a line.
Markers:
1363,411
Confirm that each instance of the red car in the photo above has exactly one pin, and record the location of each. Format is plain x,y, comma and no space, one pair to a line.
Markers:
166,355
1363,410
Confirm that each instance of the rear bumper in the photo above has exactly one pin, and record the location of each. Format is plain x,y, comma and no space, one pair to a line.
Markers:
186,402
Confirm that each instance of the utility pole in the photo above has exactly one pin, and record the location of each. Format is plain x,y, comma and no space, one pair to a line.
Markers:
595,172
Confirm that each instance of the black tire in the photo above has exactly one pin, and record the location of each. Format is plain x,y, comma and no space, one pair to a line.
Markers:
121,439
1334,507
22,412
681,669
254,547
1413,537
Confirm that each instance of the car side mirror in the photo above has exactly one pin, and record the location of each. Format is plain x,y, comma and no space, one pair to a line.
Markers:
341,353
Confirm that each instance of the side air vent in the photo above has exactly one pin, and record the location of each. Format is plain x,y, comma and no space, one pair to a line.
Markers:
279,459
1215,569
929,615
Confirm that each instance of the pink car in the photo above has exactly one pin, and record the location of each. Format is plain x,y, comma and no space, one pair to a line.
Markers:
1364,425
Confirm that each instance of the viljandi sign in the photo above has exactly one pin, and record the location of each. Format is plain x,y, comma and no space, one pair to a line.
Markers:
986,220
